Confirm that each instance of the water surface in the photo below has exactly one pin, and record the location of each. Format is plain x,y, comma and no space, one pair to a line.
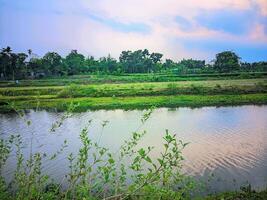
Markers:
227,144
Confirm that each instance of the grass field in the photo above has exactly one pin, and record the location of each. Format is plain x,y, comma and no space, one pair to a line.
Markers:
137,95
242,86
131,78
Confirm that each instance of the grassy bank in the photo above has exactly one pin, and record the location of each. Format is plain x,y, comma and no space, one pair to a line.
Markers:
244,195
131,78
95,103
137,95
243,86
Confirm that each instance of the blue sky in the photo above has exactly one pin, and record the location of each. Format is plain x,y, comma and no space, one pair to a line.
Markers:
191,29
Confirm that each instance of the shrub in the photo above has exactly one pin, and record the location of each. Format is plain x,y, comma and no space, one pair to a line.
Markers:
97,173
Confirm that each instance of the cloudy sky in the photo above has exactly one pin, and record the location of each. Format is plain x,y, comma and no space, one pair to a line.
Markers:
177,28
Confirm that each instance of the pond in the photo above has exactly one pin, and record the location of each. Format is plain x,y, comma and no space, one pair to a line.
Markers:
228,145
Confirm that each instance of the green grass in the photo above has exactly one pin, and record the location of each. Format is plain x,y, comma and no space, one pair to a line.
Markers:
131,78
238,195
138,95
143,89
95,103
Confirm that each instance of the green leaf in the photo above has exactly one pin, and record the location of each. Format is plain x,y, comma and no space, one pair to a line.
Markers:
111,160
142,152
148,159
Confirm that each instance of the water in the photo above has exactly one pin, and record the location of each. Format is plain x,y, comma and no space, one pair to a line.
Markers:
228,145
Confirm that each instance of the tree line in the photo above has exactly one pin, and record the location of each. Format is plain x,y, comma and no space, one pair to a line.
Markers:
27,65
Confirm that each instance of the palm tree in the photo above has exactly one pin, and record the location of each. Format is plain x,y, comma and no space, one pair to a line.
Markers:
5,56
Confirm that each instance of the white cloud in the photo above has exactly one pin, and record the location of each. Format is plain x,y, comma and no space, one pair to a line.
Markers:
144,10
263,6
257,34
74,29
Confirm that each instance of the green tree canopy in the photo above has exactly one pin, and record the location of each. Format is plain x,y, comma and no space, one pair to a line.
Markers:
52,62
75,62
227,61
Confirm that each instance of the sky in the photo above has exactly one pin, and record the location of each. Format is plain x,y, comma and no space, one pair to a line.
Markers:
179,29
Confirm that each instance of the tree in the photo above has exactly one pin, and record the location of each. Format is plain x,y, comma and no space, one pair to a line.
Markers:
139,61
155,59
226,61
52,63
75,63
192,64
108,64
11,64
21,66
35,65
5,61
168,64
91,64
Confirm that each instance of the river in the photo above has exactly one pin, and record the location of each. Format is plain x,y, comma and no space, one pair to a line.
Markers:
228,145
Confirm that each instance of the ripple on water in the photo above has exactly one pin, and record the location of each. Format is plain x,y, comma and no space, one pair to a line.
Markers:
228,141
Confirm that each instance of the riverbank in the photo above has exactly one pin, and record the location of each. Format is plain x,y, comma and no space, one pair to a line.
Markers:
128,103
136,95
131,78
245,194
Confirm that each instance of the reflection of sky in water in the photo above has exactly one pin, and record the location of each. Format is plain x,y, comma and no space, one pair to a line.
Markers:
228,141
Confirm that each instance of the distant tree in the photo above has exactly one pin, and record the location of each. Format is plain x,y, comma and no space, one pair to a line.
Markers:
29,52
125,60
52,63
259,66
35,65
245,66
16,65
75,63
227,61
91,64
11,64
139,61
21,66
168,64
192,64
156,59
5,61
108,64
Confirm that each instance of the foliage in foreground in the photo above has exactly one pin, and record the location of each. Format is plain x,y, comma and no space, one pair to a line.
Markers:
97,173
246,193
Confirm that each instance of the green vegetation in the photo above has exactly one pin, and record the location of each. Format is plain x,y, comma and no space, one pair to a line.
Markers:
97,173
246,193
150,179
137,95
14,66
137,80
95,103
130,173
130,78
